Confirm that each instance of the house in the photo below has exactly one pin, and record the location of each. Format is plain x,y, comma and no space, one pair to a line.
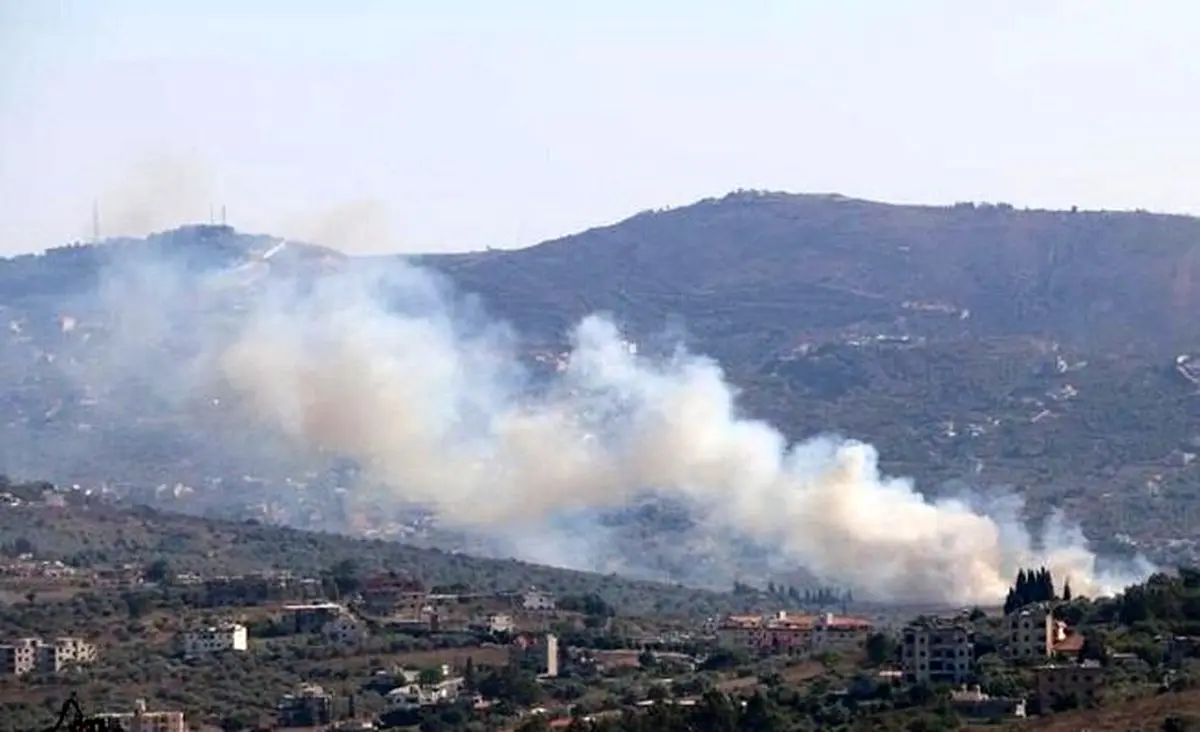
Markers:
309,706
143,720
215,639
937,650
839,634
1177,649
34,654
1059,682
345,630
416,692
390,594
537,601
785,633
311,617
974,704
1032,632
495,623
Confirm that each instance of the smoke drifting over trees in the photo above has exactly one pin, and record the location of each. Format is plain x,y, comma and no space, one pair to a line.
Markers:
384,365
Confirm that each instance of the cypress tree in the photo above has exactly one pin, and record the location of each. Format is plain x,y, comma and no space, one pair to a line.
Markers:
1066,595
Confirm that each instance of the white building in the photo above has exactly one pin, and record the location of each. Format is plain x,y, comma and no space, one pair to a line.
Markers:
215,639
536,600
495,623
551,655
412,694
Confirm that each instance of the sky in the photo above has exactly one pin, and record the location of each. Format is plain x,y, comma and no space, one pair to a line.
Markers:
462,124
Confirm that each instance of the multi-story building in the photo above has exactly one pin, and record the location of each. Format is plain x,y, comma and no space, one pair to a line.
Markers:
34,654
537,601
142,720
345,630
494,623
937,650
215,639
1032,632
840,634
1060,682
312,617
793,633
19,658
310,706
392,594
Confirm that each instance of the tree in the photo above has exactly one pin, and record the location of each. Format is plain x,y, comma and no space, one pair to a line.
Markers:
1066,593
347,577
429,676
1094,647
881,648
158,571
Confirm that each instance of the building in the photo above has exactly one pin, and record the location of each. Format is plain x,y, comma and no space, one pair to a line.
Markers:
391,594
142,720
310,706
34,654
538,601
415,693
19,658
839,634
551,655
1032,632
215,639
785,633
345,630
312,617
974,704
1177,649
937,650
495,623
257,588
1058,683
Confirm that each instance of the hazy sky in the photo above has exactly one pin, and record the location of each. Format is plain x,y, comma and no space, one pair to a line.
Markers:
457,124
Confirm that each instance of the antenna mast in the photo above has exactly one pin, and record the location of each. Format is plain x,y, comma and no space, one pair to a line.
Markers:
95,221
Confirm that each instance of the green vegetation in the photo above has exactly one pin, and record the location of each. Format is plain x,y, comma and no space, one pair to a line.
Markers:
1032,586
93,534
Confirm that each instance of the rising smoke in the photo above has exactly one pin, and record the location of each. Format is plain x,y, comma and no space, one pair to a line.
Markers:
385,367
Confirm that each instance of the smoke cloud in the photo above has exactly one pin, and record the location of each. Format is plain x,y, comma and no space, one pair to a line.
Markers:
384,365
154,194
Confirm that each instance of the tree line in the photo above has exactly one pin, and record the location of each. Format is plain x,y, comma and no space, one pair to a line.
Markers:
1034,586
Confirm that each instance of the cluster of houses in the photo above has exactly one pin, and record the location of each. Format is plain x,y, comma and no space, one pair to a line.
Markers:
941,650
35,655
386,601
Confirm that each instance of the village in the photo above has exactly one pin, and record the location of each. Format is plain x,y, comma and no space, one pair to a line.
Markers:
504,653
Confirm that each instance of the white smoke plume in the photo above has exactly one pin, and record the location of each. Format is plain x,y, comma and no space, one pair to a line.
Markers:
441,414
156,192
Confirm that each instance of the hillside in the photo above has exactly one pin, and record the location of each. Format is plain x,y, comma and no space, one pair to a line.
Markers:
755,267
96,535
977,347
